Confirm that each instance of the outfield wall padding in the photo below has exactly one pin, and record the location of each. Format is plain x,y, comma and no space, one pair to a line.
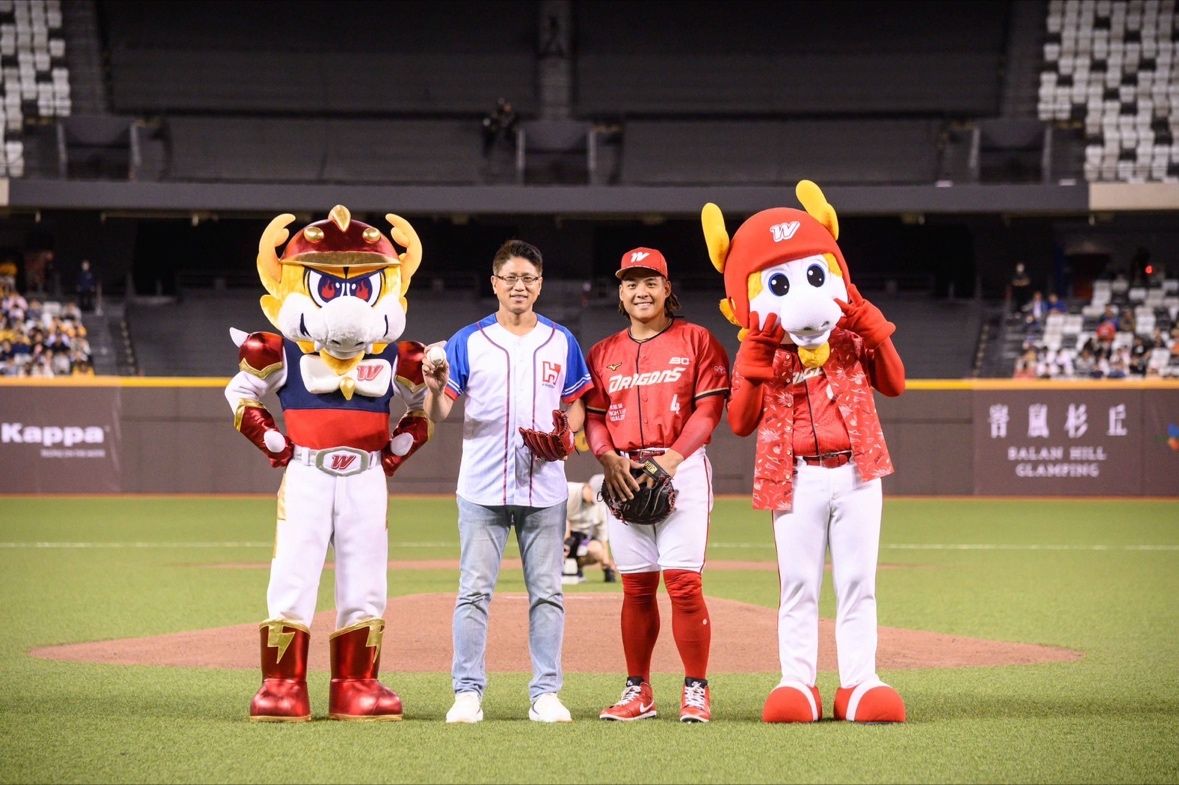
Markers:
946,438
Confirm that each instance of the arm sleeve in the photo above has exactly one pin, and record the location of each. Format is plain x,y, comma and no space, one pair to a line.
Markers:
745,407
457,359
598,434
712,368
885,369
700,425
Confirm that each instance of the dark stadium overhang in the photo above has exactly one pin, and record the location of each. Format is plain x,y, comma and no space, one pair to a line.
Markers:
604,201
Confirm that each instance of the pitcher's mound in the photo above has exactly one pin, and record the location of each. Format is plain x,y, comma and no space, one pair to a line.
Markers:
418,639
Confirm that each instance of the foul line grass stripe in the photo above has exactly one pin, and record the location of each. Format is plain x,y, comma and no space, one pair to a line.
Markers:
914,546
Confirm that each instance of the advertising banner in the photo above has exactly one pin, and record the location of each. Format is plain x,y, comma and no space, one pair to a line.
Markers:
60,439
1074,442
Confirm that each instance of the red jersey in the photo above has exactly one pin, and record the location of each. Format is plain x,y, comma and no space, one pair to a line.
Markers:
818,423
646,390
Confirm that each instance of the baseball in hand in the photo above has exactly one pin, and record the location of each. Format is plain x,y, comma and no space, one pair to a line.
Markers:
436,356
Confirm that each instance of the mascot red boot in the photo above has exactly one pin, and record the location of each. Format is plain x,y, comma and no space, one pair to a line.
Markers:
812,350
337,296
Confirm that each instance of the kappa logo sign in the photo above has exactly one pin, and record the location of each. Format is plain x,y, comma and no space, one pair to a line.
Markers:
550,372
50,435
783,232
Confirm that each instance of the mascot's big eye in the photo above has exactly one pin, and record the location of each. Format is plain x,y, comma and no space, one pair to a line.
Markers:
324,288
816,275
779,284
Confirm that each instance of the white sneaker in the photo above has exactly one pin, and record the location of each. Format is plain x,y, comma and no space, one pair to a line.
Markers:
548,708
468,707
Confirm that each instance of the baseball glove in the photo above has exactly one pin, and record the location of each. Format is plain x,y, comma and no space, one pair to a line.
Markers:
554,446
652,502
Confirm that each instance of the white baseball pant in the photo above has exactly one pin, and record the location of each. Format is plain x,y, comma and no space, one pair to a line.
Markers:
680,542
317,508
831,508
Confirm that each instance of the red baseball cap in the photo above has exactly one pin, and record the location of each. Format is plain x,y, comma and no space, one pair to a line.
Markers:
642,259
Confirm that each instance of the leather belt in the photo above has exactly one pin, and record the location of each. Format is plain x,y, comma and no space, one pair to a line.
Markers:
337,461
827,460
643,455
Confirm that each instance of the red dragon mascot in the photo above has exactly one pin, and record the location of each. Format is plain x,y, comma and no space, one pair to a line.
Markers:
812,351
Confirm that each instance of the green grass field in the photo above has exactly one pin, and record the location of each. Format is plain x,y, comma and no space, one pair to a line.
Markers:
1098,576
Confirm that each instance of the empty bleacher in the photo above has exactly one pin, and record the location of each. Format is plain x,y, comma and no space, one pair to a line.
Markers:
1111,65
790,58
34,79
776,151
257,148
355,58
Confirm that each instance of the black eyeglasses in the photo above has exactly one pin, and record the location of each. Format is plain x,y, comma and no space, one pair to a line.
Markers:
512,280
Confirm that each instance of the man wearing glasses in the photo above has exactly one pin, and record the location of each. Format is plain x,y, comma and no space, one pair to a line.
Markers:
516,369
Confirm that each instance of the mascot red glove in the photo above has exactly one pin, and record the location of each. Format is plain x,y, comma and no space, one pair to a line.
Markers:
864,319
755,358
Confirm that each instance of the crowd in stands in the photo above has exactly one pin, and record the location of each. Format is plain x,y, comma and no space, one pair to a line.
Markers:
40,337
1123,332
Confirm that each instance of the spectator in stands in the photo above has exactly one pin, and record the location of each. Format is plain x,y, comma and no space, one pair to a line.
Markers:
86,287
1035,311
38,270
1139,355
500,124
1055,304
1085,365
1025,365
1021,288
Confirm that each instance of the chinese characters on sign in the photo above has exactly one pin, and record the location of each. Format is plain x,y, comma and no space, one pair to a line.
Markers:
1057,441
1056,460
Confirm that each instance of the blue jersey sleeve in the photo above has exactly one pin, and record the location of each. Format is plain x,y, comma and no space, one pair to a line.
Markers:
458,358
577,377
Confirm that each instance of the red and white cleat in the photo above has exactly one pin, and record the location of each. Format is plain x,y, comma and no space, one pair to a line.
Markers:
696,701
637,702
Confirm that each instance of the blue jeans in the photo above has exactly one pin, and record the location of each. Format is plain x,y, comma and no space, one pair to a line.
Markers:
483,533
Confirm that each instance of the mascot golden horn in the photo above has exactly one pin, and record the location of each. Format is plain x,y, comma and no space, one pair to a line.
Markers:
337,297
812,349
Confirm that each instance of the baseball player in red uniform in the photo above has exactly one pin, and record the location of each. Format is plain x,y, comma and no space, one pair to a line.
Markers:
812,351
659,391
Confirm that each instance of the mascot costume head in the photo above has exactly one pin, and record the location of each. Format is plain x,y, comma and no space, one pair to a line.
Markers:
339,287
784,262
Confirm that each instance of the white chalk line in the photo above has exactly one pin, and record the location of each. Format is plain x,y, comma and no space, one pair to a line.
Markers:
393,546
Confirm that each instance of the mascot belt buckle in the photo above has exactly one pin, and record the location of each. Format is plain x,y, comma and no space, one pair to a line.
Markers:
342,461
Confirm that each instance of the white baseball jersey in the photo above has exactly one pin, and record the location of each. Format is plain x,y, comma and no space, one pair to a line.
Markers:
512,382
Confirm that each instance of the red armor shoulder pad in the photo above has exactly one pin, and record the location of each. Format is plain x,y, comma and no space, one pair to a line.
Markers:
410,355
261,354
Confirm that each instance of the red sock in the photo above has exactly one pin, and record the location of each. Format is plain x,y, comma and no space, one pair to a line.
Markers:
689,621
640,621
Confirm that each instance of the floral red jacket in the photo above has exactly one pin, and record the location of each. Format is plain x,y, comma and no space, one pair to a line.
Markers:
773,468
